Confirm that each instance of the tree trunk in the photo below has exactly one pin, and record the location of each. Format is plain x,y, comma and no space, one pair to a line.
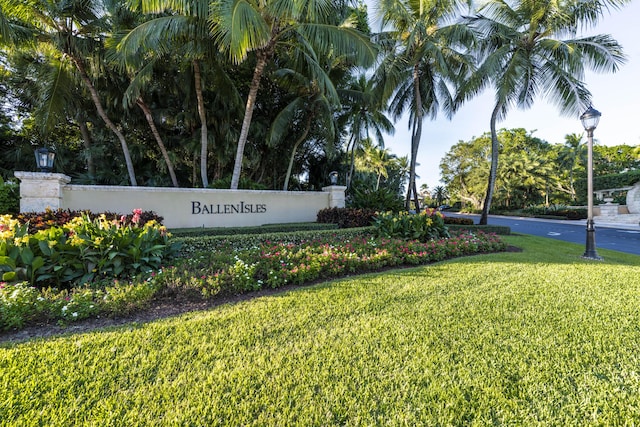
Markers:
103,115
352,163
86,139
307,127
493,172
147,114
415,142
204,134
248,113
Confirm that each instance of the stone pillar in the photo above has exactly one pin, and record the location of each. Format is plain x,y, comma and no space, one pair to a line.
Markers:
336,195
609,209
41,190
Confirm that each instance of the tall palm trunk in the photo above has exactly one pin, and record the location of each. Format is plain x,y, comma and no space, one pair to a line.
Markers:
86,140
493,171
415,142
248,113
352,144
307,127
147,114
204,134
103,115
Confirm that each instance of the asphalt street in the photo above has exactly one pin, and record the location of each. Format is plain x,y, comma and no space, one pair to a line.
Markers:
609,236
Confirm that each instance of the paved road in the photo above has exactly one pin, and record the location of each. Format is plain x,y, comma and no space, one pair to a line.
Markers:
621,239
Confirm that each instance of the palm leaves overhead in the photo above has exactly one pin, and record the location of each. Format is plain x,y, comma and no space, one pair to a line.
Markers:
424,62
304,29
76,29
529,49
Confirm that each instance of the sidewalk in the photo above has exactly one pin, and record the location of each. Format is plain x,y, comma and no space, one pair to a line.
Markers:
627,222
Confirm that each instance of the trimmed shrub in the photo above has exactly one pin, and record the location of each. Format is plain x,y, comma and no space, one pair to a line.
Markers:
347,217
425,226
262,229
495,229
9,197
448,220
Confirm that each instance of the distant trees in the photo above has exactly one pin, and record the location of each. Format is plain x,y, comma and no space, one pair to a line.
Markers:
529,48
531,171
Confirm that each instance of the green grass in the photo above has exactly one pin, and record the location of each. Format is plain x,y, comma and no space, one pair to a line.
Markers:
540,337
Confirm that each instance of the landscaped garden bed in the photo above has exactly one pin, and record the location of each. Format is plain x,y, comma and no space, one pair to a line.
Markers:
90,266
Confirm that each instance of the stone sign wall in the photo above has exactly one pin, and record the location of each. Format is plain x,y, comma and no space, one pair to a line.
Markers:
180,207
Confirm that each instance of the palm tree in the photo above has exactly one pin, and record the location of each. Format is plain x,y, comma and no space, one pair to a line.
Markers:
76,30
309,105
569,157
376,160
7,28
421,66
523,54
184,35
440,194
364,112
140,69
302,27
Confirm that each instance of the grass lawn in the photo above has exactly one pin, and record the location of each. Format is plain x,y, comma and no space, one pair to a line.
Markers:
539,337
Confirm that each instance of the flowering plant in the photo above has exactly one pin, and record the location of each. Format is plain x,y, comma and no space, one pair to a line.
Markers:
81,250
277,264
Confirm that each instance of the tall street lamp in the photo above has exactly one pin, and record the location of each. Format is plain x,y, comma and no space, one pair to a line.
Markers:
590,119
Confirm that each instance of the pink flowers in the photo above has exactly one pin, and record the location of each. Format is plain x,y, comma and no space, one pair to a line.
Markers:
136,215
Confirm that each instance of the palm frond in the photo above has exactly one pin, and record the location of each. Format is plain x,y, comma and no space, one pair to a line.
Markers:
238,27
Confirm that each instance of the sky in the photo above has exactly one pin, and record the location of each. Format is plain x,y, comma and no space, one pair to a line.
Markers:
616,96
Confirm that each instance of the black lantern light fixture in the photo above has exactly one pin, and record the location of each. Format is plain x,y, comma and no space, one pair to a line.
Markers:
44,159
590,120
333,177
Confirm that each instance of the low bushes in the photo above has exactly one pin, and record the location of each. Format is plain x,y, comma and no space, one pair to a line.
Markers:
347,217
9,197
49,218
424,226
451,220
556,211
272,265
262,229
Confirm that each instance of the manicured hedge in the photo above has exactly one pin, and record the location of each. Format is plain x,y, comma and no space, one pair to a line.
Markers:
497,229
268,228
242,241
605,182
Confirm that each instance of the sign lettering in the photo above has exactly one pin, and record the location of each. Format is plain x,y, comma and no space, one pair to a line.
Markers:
199,208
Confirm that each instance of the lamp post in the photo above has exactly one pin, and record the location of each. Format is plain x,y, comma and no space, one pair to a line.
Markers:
590,119
44,159
333,177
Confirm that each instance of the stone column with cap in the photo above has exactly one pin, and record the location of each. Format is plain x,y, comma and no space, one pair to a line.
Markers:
336,195
41,190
